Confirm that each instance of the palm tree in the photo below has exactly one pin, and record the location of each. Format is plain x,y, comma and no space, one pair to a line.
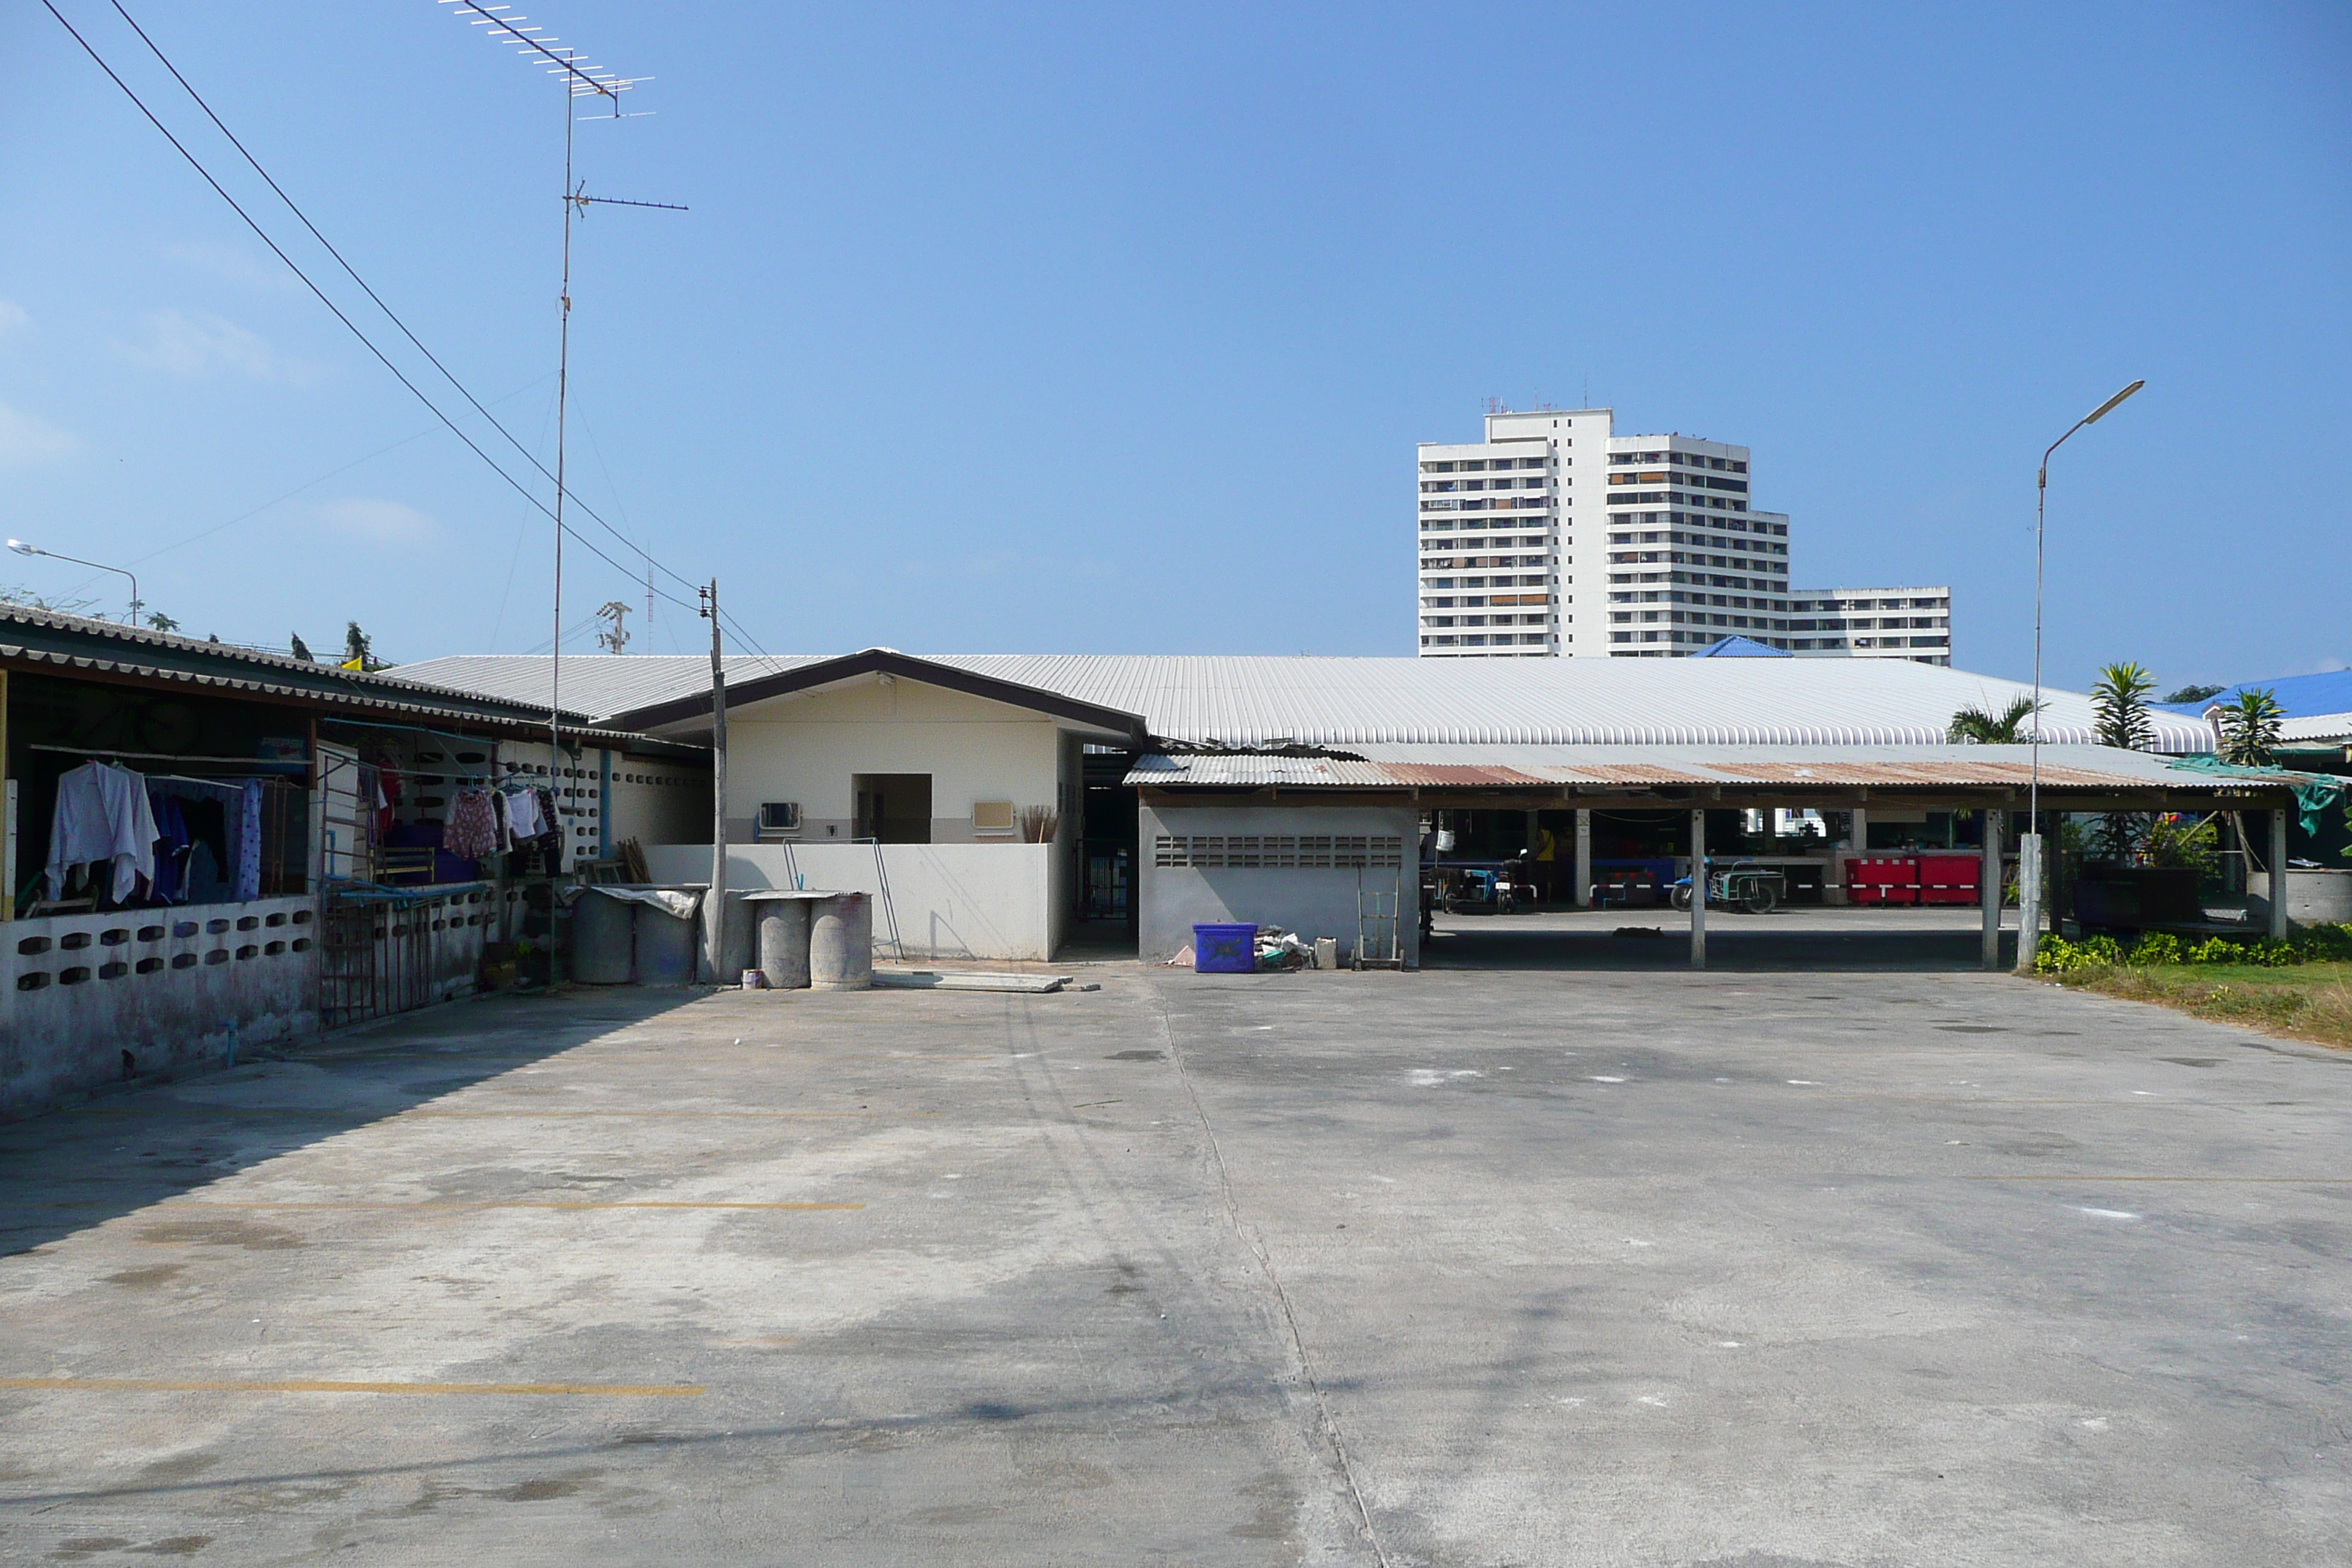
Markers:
1980,727
2119,698
2249,729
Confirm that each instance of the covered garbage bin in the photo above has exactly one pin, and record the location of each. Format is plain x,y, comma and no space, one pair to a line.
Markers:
665,945
841,943
782,918
601,943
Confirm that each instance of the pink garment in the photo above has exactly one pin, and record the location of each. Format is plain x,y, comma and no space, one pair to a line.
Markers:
471,830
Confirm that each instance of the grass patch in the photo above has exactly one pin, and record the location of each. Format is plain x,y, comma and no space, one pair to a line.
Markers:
2305,1000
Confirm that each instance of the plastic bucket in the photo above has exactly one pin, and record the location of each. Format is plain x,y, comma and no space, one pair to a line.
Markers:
1224,948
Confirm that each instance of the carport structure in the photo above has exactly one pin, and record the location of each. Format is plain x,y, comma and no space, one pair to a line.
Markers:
1200,791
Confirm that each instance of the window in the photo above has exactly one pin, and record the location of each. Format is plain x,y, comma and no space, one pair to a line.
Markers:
1437,467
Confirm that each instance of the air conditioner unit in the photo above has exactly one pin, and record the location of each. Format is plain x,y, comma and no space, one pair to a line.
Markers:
778,818
992,816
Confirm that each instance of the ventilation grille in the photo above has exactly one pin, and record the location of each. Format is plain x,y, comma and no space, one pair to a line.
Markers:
1211,852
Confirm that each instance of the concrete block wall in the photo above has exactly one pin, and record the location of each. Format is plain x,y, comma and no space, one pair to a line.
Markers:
92,1000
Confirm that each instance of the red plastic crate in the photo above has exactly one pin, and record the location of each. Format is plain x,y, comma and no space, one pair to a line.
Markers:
1947,895
1881,893
1892,871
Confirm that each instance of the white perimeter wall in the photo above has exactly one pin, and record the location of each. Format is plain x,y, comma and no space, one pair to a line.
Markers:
952,900
1314,903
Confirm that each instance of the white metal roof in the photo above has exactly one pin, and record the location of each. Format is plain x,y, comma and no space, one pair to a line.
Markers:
1251,701
1783,768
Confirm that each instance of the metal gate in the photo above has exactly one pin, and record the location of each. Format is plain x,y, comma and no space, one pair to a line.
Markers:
383,951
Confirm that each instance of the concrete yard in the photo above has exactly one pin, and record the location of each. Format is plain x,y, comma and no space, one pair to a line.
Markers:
1754,1269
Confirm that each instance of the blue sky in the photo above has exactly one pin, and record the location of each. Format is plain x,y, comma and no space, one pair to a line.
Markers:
1113,329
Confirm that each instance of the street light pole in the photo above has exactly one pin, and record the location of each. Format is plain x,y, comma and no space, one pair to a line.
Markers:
21,547
2029,843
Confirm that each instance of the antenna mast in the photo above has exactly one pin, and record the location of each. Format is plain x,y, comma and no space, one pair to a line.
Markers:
581,79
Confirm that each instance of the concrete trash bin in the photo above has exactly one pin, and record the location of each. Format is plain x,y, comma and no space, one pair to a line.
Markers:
666,946
600,941
841,943
783,929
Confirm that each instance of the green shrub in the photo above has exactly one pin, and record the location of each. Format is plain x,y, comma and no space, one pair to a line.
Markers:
2056,955
2156,947
2217,950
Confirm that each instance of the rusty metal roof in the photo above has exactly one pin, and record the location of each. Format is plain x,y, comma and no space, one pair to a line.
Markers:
1785,768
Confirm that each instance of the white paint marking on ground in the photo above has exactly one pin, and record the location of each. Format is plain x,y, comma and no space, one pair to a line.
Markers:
1431,1078
1727,1344
1598,1079
2109,1214
2096,1424
1651,1399
1803,1083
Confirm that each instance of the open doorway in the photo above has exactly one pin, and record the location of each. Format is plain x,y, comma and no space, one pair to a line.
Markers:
893,808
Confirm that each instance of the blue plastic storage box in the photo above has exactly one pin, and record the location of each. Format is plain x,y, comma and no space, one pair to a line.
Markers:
1224,948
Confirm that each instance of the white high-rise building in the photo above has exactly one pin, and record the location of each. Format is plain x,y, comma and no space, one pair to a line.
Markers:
1675,556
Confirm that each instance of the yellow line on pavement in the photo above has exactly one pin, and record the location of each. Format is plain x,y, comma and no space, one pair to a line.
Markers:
327,1386
460,1204
2271,1181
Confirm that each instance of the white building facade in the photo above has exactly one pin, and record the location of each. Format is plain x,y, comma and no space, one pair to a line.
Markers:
1872,623
1677,556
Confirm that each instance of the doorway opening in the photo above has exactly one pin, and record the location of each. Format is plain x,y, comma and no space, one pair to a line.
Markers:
893,808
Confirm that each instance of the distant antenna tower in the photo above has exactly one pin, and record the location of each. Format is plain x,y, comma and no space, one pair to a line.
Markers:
581,79
614,638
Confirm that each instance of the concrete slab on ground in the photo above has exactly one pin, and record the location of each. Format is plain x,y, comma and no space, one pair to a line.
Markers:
1454,1268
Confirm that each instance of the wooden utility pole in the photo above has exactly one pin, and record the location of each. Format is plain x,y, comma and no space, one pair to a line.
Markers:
714,906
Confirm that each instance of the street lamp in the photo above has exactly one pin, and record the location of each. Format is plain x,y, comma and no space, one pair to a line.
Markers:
2029,844
21,547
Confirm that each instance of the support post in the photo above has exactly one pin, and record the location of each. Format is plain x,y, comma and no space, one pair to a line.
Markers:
2278,876
2029,897
714,916
1989,888
1583,858
1698,890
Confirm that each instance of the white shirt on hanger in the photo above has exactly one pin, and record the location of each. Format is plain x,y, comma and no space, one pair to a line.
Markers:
101,813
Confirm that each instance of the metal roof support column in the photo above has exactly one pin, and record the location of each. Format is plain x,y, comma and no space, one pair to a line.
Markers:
1989,888
2278,876
1698,889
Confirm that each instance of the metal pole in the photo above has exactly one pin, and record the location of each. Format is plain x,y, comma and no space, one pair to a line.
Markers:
562,397
1698,890
1989,889
714,920
2278,876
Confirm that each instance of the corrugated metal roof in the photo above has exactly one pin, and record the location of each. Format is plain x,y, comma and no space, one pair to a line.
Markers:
168,655
2317,727
1251,701
1789,767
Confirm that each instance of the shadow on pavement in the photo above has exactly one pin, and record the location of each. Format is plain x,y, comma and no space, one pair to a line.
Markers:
79,1167
1733,943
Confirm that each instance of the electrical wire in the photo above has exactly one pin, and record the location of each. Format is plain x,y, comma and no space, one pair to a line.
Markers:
354,327
390,314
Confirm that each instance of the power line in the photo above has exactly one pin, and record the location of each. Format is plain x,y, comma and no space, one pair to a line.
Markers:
390,314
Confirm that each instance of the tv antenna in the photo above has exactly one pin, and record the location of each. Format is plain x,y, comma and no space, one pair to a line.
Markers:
581,79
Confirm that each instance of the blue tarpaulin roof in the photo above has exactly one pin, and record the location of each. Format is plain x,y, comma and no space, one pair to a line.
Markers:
1741,647
2298,694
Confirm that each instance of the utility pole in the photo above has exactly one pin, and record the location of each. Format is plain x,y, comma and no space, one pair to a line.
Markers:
714,918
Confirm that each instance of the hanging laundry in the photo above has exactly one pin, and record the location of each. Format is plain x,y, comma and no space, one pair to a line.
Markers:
248,842
101,813
471,830
524,820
